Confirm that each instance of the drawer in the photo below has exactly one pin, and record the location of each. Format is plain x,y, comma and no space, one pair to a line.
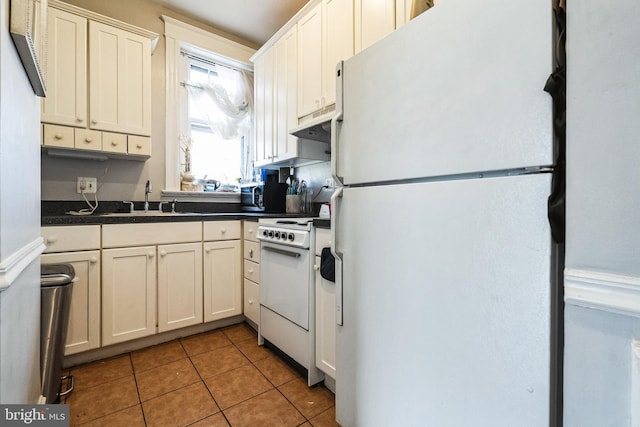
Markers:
251,304
252,251
122,235
252,271
250,230
114,142
71,238
87,139
57,136
139,145
221,230
323,239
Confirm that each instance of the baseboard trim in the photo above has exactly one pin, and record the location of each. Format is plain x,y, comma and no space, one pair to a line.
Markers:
18,261
613,293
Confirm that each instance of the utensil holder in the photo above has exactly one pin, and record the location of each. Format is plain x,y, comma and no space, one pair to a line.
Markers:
293,203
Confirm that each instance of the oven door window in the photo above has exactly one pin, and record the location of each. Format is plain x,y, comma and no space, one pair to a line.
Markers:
284,282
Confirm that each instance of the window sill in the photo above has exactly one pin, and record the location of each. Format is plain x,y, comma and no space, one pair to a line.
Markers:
197,196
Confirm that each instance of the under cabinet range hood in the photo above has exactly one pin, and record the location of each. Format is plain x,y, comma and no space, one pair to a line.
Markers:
318,129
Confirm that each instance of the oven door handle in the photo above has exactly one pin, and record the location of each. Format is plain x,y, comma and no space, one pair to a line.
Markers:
281,251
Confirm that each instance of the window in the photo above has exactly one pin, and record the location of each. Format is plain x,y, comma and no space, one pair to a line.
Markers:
218,127
209,54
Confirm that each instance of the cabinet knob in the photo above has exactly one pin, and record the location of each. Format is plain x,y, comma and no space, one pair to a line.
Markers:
251,271
88,140
114,143
52,239
150,255
316,267
207,250
139,145
94,122
57,136
223,230
93,260
250,253
79,119
250,302
250,231
163,253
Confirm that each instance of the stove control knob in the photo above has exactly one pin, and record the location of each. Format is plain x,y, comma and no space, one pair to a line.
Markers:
291,237
277,235
264,233
270,233
284,236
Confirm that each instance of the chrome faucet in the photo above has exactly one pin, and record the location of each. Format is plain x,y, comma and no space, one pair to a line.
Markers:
147,189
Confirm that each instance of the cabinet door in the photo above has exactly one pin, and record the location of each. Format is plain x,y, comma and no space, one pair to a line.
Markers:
83,332
120,84
128,293
310,62
374,20
222,280
338,43
66,100
285,90
263,71
179,286
251,301
325,324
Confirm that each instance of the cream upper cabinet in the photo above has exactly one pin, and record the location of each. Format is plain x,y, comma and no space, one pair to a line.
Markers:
374,19
120,84
338,43
285,95
310,62
66,100
263,72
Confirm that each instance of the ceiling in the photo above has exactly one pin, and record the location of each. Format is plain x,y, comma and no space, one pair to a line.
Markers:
253,20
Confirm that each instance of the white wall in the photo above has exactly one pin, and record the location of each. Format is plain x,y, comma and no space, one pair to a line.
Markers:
603,210
19,226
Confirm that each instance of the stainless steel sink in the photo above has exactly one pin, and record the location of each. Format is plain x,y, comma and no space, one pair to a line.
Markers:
149,213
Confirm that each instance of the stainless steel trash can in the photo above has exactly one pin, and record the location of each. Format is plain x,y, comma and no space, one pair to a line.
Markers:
55,288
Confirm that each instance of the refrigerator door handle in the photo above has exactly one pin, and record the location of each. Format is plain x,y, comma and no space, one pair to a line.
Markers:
335,206
334,126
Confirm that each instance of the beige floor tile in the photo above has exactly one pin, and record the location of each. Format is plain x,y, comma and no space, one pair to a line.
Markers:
217,420
130,417
102,371
218,361
202,343
157,355
240,332
269,409
104,399
276,371
311,401
181,407
237,385
325,419
166,378
252,350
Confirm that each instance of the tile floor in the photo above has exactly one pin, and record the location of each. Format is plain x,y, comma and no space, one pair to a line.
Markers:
218,378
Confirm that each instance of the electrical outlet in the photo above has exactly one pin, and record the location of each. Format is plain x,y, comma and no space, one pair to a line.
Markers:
87,185
329,183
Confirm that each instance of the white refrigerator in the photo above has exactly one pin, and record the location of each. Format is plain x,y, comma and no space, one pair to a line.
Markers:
442,150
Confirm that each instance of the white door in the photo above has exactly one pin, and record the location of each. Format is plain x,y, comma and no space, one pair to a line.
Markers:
445,95
222,279
374,19
66,100
179,286
337,27
128,293
310,62
446,301
83,332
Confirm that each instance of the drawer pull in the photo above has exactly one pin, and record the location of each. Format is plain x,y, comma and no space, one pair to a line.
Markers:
316,267
114,143
150,255
207,250
79,119
250,302
163,253
52,239
58,136
94,122
93,260
251,271
88,140
139,145
223,230
250,253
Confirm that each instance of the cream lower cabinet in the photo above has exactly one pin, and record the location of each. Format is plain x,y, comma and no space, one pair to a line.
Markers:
150,269
251,255
325,312
179,286
128,293
222,284
78,246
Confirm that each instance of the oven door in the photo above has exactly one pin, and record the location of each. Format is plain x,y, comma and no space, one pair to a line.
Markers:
284,281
